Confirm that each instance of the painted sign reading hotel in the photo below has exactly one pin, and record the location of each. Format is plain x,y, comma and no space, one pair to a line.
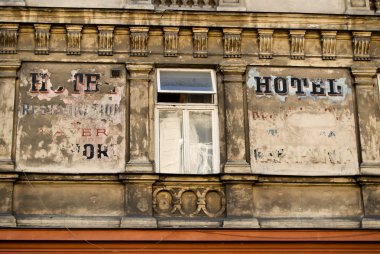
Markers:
301,121
71,118
300,86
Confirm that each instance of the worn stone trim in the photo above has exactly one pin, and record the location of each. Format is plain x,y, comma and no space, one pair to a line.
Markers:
361,46
337,223
105,41
328,180
42,39
328,45
370,169
74,36
183,18
265,37
8,38
297,44
200,44
188,223
364,76
54,221
139,41
232,42
80,178
171,41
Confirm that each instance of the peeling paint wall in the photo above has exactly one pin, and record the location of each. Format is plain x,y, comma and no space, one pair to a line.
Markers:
301,121
71,118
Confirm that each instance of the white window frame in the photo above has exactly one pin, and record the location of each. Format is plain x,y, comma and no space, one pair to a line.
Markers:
185,108
212,74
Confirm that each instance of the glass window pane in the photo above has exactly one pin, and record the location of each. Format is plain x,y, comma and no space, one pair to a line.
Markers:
201,145
171,141
186,81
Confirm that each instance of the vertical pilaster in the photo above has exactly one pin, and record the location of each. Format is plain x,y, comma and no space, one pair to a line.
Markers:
236,133
239,206
6,199
138,201
368,118
139,82
8,77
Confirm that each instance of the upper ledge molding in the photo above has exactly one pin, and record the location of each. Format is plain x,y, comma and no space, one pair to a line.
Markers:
193,19
352,7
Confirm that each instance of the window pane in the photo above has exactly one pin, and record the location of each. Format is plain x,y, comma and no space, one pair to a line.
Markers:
171,141
186,81
201,145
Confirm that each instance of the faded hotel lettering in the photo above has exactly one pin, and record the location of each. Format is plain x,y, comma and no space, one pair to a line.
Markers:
88,83
301,118
79,117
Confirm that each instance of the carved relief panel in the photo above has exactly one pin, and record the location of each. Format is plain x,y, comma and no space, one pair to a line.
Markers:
189,201
8,38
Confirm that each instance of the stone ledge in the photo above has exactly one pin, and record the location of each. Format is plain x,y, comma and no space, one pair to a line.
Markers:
370,169
338,223
188,223
241,223
7,221
138,222
53,221
371,223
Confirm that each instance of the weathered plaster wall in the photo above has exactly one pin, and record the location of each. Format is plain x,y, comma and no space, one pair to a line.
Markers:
322,145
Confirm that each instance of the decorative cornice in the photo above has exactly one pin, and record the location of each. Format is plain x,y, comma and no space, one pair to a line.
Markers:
42,39
361,44
105,46
328,45
265,37
139,41
171,41
74,35
232,42
8,38
200,42
297,44
195,19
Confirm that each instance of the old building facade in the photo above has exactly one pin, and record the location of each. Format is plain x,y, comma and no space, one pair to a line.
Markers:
224,114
